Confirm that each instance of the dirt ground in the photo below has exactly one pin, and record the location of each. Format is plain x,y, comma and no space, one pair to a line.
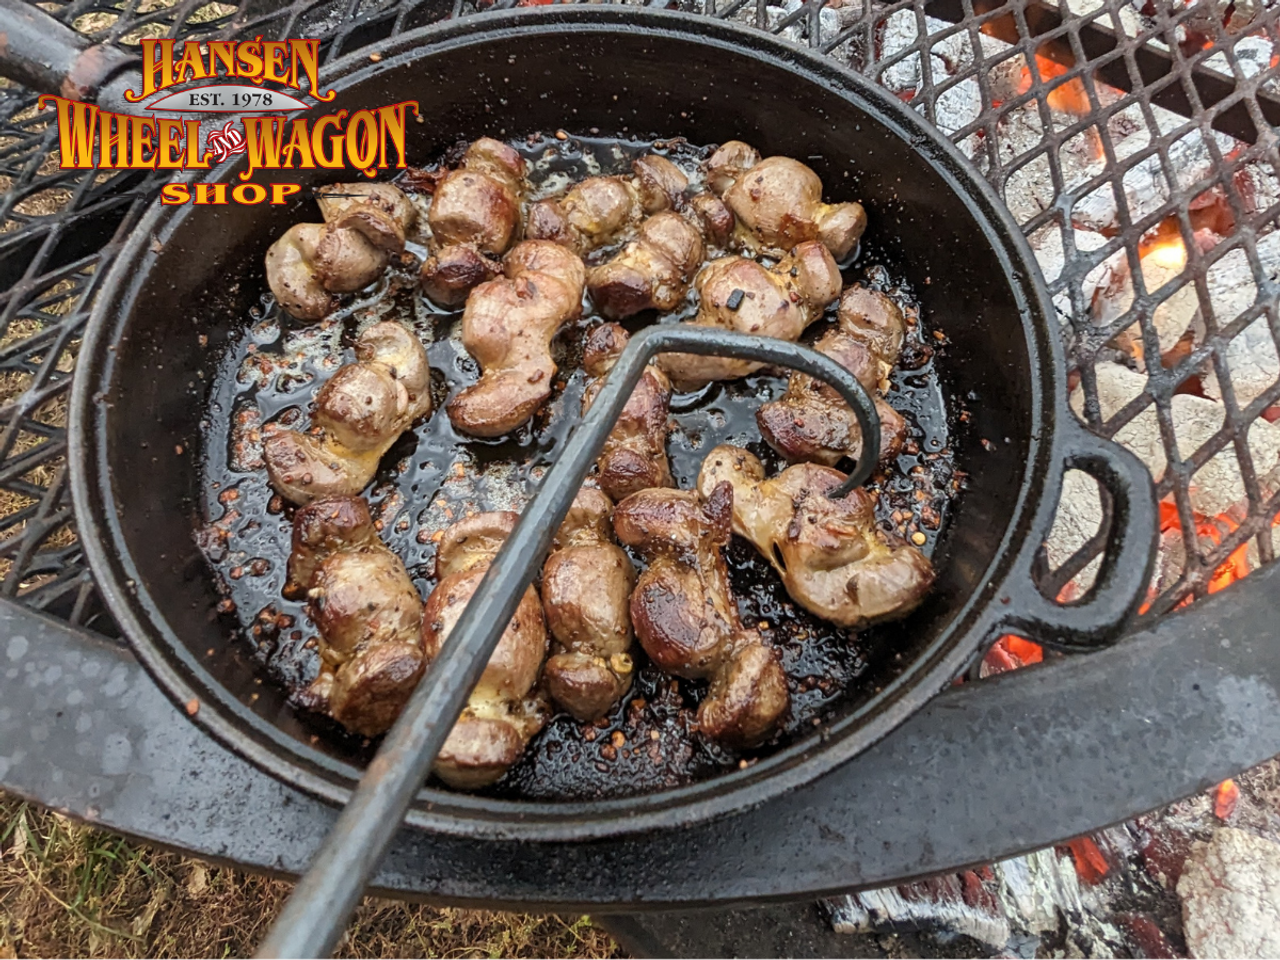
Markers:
67,891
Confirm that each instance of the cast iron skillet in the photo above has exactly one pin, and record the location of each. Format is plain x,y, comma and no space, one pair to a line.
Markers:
193,271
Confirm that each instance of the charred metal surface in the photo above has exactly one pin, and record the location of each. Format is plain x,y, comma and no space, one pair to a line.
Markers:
985,771
50,57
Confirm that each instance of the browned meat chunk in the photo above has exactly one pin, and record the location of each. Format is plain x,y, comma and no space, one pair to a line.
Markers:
833,557
634,457
714,219
474,215
652,272
742,295
810,421
727,165
503,712
685,616
600,210
365,225
367,611
586,586
360,412
778,202
508,326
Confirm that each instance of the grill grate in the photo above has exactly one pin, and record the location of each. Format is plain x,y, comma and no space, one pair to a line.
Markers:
1132,145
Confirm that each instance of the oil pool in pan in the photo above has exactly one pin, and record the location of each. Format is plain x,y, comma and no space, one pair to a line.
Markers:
433,475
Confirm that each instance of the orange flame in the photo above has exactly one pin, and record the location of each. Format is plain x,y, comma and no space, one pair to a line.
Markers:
1164,246
1169,253
1070,97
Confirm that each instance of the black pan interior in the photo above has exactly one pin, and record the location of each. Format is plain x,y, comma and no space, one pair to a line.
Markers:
205,275
272,366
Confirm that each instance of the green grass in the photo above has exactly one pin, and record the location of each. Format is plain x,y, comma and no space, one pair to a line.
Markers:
70,890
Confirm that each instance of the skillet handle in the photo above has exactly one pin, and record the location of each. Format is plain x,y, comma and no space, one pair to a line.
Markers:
1098,618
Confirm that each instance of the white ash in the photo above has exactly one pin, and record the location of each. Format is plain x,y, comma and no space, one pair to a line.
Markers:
957,107
798,32
1047,245
1113,296
1252,363
878,910
1252,53
1028,190
1144,185
1230,890
1251,354
1034,894
1079,517
900,33
948,55
1216,486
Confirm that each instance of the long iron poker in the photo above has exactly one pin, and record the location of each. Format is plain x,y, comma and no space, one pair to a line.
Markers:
318,910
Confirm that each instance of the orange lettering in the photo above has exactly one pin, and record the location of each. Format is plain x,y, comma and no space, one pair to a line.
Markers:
280,192
174,193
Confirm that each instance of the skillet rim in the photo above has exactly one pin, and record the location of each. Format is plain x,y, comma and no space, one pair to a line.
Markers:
183,678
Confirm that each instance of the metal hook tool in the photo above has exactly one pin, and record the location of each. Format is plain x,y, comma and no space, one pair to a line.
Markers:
317,912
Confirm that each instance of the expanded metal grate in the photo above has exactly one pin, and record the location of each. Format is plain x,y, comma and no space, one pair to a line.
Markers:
1132,143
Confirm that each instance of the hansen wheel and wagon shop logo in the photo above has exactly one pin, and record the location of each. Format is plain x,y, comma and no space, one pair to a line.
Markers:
367,140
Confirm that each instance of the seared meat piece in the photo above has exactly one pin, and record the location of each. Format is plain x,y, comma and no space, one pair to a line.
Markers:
367,611
778,202
742,295
714,219
474,215
634,457
652,272
598,210
685,616
586,586
361,232
810,421
833,557
292,275
380,212
727,165
508,326
360,412
503,712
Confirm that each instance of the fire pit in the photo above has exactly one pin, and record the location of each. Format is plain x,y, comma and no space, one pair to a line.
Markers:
1133,146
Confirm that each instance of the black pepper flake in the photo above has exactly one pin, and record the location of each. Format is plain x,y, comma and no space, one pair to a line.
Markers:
735,299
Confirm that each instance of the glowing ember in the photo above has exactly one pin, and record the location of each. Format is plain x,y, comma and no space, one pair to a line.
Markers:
1010,653
1225,798
1168,254
1236,566
1091,865
1211,532
1070,97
